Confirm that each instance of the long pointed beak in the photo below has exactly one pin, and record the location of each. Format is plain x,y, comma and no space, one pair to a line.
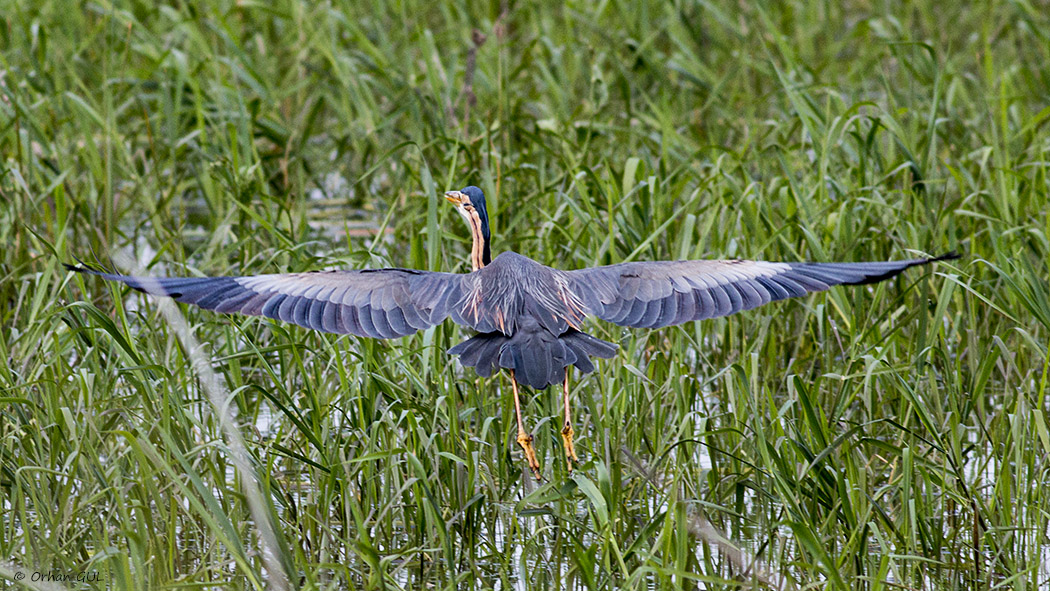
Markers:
454,197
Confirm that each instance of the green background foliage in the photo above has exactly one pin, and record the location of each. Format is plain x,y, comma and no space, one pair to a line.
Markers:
868,438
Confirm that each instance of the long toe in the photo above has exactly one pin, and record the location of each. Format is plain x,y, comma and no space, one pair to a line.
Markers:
525,441
567,434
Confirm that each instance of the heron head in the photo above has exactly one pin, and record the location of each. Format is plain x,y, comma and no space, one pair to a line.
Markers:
470,203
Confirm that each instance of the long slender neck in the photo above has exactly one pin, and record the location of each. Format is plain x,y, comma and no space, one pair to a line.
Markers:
479,249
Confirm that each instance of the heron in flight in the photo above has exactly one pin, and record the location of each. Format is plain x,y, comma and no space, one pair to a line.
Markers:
528,317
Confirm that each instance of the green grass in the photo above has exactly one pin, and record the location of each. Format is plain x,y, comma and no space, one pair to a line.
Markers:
871,438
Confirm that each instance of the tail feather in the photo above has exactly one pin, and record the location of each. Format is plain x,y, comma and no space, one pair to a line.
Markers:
471,351
538,358
539,363
488,360
480,352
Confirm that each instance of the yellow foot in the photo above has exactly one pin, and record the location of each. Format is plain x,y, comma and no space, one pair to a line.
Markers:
567,434
525,441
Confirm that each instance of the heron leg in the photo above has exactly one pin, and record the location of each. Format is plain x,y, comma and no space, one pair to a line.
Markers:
567,432
524,437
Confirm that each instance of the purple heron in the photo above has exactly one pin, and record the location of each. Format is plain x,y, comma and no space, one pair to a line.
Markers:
528,316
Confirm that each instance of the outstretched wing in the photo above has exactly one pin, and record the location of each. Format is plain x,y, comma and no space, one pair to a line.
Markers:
664,293
377,303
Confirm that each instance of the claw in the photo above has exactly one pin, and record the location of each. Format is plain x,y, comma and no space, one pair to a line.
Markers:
567,433
525,441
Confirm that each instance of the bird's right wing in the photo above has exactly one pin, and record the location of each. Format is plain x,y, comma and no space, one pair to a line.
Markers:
377,303
664,293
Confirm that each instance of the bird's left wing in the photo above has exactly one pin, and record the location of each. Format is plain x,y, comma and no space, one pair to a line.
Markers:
664,293
377,303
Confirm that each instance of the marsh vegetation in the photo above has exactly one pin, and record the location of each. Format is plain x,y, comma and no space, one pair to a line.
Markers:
883,437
